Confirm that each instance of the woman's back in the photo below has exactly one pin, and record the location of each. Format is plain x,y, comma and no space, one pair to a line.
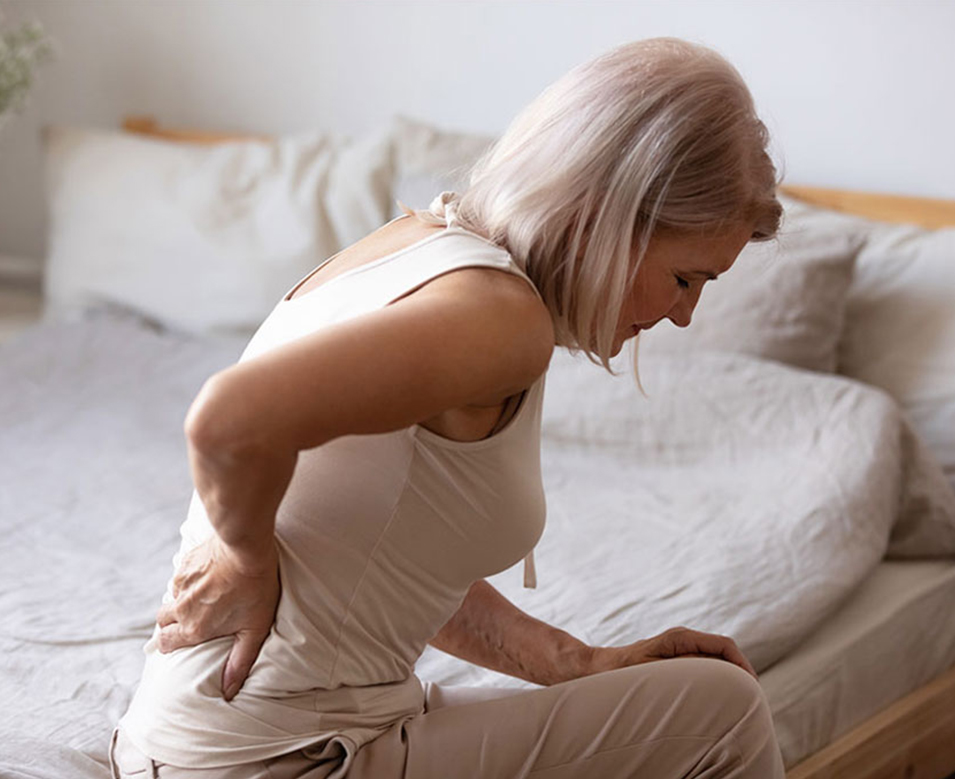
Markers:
379,539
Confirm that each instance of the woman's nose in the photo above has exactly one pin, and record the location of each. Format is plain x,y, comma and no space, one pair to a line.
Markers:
682,313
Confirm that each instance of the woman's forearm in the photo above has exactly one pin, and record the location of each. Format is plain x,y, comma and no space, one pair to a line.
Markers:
240,485
490,631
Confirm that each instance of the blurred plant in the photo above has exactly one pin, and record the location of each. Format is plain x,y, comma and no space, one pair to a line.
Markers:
22,50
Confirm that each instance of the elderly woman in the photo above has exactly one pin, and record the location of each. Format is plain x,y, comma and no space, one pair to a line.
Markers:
375,454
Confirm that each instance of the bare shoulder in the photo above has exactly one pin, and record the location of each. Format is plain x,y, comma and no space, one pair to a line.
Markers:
503,305
447,355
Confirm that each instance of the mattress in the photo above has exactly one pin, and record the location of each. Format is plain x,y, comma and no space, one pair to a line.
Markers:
893,635
95,484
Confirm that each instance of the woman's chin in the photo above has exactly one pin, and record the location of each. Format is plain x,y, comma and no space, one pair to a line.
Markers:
619,340
622,338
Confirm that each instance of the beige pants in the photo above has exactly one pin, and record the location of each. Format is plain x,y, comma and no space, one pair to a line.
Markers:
685,717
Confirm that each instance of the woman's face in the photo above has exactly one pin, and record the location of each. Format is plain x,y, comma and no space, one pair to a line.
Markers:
672,275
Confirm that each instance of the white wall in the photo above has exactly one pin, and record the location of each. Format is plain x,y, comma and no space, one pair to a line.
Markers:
858,94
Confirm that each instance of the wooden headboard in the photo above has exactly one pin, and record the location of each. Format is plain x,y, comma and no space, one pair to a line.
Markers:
924,211
146,125
927,212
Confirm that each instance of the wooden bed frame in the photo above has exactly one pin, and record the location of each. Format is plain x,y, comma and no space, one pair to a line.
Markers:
914,738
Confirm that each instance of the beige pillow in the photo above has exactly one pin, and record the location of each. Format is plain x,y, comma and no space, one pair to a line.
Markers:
783,300
900,328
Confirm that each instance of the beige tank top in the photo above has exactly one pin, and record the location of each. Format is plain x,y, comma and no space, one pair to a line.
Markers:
379,539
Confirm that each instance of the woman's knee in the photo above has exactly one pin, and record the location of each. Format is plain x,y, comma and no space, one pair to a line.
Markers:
745,715
719,709
707,693
721,683
725,680
709,676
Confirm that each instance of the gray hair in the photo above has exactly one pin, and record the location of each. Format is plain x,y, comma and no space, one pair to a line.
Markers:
658,134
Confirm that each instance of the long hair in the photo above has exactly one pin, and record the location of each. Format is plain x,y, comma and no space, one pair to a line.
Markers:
657,134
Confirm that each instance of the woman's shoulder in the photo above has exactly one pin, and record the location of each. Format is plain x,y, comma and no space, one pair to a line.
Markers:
506,299
465,339
503,294
504,304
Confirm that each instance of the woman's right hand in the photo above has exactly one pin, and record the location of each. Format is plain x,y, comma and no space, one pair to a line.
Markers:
218,593
675,642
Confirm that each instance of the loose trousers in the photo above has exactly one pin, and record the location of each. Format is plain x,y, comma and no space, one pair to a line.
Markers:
683,718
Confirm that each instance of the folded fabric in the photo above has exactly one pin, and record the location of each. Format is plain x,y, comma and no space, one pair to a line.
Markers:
741,497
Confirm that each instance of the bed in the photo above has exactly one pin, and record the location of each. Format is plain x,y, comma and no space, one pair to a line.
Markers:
834,568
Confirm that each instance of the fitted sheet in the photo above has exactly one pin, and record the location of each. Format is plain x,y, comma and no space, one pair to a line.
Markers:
893,635
94,483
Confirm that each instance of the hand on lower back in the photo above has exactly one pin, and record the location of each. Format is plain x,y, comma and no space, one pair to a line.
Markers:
218,594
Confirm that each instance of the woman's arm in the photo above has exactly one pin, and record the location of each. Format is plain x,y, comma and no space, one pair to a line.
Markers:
465,338
470,337
490,631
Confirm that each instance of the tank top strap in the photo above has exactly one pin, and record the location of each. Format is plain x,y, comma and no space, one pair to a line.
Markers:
381,282
400,273
530,571
444,210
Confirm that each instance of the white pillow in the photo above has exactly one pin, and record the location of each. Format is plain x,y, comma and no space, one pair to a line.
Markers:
429,160
202,238
900,328
588,410
782,300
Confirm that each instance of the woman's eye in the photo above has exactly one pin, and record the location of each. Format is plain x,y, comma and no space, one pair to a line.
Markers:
682,282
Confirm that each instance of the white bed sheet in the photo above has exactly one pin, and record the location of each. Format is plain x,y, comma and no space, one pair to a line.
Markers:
94,485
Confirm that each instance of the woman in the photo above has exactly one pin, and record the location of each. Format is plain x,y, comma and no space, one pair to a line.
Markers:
374,455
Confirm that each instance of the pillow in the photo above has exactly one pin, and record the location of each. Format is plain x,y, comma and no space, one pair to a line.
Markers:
900,328
782,300
201,238
600,416
429,161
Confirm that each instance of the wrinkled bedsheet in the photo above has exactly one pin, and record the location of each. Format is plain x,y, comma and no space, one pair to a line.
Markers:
742,497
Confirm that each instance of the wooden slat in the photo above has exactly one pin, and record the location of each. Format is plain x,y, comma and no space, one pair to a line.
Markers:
147,125
927,212
914,738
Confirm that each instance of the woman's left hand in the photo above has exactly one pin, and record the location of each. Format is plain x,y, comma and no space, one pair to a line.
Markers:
220,593
672,643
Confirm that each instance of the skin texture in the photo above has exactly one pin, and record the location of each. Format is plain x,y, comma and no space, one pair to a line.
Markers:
465,341
672,276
